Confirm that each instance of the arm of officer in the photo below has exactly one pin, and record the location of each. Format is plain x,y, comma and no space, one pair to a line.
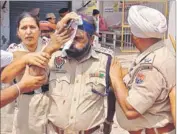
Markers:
27,83
145,89
124,72
61,35
20,60
9,73
37,59
172,97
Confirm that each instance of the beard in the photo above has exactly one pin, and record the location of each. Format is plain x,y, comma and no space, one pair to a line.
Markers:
78,54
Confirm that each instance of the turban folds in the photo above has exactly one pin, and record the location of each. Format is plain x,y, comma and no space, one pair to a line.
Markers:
88,27
146,22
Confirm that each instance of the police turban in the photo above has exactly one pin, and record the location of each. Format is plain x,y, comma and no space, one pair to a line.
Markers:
146,22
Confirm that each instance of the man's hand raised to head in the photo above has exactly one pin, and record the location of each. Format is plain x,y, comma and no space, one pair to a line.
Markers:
70,16
62,33
58,39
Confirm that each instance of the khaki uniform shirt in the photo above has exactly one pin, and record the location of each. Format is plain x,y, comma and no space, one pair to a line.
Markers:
149,82
73,105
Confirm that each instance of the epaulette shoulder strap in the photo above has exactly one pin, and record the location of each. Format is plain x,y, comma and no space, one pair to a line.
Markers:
104,51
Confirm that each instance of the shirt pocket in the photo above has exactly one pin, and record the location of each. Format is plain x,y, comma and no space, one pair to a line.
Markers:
59,84
94,83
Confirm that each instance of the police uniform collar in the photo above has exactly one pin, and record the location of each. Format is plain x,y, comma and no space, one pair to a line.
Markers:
151,49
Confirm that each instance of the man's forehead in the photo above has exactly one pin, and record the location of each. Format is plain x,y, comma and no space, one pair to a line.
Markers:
81,30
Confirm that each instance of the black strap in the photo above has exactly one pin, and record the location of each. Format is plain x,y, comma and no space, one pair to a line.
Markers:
44,88
29,93
107,79
108,64
111,100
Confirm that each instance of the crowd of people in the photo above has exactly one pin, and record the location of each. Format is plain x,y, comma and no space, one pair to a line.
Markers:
65,95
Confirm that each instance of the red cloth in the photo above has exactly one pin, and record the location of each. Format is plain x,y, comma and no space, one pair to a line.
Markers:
46,26
102,24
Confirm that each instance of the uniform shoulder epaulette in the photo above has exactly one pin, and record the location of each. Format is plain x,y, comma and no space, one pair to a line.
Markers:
147,62
103,50
149,59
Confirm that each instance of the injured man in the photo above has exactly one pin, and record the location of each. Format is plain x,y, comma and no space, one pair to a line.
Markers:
74,102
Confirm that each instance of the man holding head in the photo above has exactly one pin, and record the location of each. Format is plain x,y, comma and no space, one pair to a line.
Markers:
143,105
77,84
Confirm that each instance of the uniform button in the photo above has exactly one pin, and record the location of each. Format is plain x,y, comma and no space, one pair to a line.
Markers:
74,99
77,81
71,117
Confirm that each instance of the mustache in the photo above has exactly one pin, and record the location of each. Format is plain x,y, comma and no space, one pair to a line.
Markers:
73,48
77,53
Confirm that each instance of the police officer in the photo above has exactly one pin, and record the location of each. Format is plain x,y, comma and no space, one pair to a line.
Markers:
77,86
143,105
28,117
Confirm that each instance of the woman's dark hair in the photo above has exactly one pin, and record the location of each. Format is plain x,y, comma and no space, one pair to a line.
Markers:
27,14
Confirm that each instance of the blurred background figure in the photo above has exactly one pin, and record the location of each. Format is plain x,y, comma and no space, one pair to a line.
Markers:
96,14
48,26
50,17
35,12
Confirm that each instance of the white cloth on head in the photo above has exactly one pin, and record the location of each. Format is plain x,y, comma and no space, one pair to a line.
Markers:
6,58
146,22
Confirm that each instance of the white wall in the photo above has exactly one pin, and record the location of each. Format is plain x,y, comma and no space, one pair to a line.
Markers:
172,18
112,17
76,4
115,16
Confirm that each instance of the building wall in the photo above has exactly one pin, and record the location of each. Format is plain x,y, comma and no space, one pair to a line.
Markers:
111,10
172,26
172,18
4,24
76,4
